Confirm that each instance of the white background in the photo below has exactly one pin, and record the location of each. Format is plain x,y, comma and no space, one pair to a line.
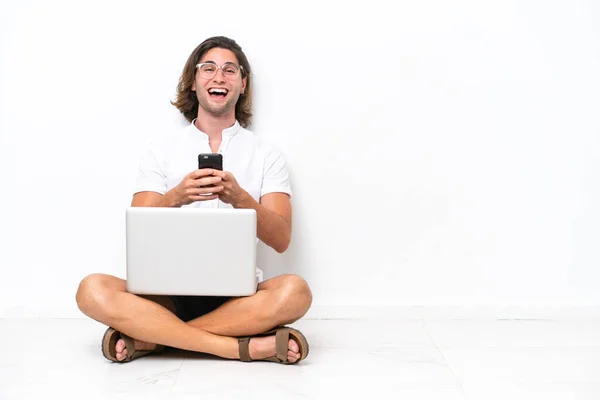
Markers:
441,153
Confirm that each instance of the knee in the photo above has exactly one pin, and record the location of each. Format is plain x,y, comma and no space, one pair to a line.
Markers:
92,294
295,296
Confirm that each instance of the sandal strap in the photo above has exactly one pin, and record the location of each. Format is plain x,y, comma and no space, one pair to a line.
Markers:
244,349
129,345
282,337
132,353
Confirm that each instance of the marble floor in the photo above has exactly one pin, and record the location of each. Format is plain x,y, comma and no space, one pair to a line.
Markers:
453,359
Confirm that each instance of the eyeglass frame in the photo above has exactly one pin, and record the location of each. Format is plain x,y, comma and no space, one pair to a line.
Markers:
220,67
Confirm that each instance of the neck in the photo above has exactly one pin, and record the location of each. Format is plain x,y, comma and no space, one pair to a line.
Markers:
213,125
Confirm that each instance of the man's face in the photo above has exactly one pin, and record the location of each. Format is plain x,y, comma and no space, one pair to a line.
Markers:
219,94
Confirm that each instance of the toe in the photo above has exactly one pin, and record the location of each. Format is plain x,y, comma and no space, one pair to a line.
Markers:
122,355
293,357
293,351
120,345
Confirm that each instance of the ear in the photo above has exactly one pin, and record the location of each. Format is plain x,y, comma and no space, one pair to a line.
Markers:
194,86
244,80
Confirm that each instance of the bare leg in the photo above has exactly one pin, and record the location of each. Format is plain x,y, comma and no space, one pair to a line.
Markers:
278,301
104,298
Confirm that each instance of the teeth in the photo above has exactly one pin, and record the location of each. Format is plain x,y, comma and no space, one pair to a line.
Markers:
218,91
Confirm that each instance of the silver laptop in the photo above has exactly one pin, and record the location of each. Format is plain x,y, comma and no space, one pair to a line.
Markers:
191,251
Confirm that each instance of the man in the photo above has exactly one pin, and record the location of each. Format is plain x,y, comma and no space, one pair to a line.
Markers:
214,94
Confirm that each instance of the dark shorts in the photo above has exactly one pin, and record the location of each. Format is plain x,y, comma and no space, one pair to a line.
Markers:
192,307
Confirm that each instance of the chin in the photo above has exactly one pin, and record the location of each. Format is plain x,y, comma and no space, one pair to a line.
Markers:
221,109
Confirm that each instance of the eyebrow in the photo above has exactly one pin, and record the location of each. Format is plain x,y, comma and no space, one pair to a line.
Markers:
212,62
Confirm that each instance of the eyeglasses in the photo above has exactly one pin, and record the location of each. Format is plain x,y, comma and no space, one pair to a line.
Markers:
209,70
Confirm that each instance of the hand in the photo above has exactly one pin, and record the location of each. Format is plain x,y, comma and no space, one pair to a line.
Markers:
231,193
191,187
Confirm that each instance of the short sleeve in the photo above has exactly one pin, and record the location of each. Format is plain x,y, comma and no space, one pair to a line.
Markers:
151,176
276,176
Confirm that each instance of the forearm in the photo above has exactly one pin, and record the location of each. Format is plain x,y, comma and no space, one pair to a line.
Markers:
154,199
168,200
272,228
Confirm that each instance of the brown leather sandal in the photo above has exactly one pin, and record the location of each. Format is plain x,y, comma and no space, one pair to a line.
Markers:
282,336
109,342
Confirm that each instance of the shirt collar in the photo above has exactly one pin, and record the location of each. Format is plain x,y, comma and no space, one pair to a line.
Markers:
227,132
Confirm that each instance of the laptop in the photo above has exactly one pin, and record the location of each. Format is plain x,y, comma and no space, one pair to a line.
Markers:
191,251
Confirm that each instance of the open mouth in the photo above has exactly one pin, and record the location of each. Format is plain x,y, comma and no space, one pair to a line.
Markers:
217,93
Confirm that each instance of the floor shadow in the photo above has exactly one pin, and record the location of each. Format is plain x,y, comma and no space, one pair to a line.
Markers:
178,354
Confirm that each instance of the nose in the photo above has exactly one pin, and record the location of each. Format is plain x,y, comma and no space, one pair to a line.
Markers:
218,78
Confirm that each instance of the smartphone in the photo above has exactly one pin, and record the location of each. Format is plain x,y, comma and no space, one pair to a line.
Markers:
210,160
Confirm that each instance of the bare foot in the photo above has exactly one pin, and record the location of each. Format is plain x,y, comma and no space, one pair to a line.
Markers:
263,347
137,344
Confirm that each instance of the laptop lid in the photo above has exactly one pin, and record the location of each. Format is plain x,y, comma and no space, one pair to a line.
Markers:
191,251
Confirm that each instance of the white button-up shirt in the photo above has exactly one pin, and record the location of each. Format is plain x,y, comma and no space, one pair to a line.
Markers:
258,167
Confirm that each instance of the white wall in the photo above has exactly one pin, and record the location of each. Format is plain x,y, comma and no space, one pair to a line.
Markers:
442,153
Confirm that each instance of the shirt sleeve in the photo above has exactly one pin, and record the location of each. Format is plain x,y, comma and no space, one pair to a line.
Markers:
151,176
276,177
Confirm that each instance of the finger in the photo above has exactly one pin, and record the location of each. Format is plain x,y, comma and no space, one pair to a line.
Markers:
207,180
203,197
202,182
221,174
205,190
199,173
217,189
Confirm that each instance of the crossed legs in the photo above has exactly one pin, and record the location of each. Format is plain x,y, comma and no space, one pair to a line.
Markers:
151,319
